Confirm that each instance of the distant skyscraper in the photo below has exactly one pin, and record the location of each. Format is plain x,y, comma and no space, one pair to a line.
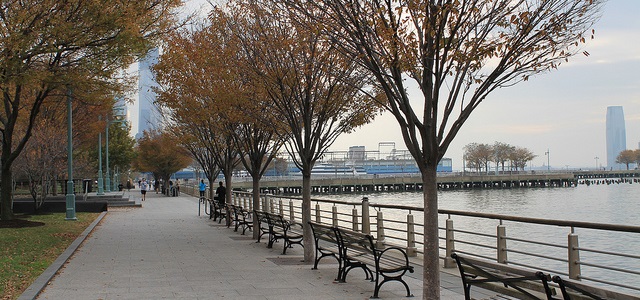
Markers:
149,115
616,136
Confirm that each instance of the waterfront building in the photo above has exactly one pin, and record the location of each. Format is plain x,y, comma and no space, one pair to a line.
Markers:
616,136
149,116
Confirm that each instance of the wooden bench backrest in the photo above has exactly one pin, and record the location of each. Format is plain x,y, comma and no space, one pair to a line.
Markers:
323,232
353,241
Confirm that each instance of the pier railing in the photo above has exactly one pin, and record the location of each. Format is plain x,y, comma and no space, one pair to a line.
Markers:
605,255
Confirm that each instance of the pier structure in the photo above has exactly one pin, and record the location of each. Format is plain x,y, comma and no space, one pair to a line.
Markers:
413,182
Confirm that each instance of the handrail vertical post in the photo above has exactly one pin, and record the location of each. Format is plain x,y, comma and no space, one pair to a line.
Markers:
354,219
292,217
272,209
411,236
502,243
366,222
380,231
280,207
318,220
450,244
574,255
334,215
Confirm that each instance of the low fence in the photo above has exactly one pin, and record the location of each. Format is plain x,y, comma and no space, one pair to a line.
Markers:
604,255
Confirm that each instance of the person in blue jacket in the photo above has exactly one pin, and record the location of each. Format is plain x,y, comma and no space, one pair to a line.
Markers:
203,187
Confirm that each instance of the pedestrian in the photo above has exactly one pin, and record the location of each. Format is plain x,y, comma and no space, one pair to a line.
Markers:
202,187
221,192
143,188
128,185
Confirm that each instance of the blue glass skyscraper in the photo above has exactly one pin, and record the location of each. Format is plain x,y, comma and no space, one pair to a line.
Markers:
149,116
616,136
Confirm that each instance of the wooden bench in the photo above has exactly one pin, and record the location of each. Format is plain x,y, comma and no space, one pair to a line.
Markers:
289,232
358,250
326,244
263,223
279,228
219,211
241,218
502,278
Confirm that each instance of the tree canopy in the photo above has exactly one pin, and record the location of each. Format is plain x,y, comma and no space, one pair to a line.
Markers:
49,47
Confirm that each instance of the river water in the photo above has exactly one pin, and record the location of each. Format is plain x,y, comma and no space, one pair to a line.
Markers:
617,203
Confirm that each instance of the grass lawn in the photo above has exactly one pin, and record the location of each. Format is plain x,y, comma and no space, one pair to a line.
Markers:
27,249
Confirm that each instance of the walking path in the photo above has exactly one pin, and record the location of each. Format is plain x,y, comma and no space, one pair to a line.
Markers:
164,250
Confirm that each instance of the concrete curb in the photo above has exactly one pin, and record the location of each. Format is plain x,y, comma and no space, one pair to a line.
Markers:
41,282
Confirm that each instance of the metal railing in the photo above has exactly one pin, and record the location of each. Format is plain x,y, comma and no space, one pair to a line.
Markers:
541,244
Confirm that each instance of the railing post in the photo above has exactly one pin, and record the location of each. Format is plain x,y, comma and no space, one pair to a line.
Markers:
380,231
292,217
334,215
574,256
354,219
502,243
271,206
411,236
318,220
366,222
450,244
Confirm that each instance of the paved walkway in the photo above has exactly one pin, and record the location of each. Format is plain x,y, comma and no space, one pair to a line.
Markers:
164,250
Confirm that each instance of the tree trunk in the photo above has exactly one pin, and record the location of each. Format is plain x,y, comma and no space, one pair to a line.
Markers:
6,212
306,217
256,205
431,268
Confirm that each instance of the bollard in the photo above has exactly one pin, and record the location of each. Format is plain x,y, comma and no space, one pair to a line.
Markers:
334,215
450,245
380,231
318,213
354,219
366,226
502,243
411,237
574,256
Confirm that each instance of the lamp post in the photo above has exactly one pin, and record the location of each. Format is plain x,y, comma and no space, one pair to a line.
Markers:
596,158
108,179
70,197
548,166
100,180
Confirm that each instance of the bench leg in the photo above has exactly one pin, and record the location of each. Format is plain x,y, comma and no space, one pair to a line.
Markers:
391,278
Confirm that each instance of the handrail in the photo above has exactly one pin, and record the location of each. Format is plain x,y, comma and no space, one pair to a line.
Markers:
563,223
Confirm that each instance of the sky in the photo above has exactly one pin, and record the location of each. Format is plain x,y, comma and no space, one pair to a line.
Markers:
562,112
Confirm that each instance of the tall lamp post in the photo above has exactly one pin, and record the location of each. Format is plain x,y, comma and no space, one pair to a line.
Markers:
596,158
108,179
70,197
100,180
548,165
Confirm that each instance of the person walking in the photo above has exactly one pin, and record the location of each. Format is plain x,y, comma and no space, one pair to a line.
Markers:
202,187
143,188
221,192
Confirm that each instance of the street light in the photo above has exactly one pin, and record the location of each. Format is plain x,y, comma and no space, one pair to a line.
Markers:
548,165
70,197
100,180
596,158
108,180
